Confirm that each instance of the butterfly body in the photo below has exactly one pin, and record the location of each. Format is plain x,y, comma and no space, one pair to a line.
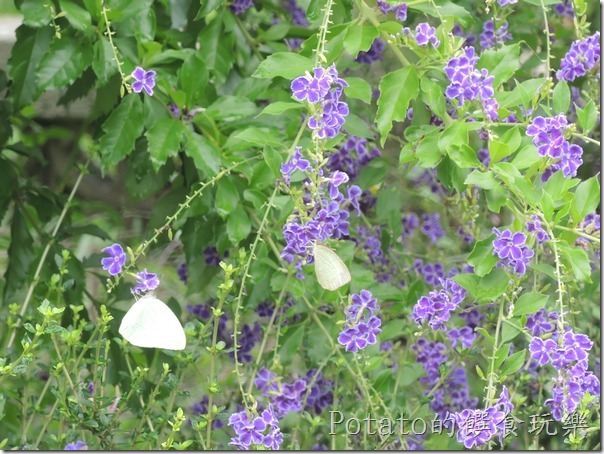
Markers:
150,323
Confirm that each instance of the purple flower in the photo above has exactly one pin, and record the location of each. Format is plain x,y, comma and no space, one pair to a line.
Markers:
261,430
313,89
298,14
296,162
362,326
467,83
143,80
477,427
145,282
77,446
241,6
436,308
490,37
431,227
116,260
512,250
182,272
425,34
352,156
565,8
212,257
400,9
582,56
534,226
538,322
374,53
465,336
506,2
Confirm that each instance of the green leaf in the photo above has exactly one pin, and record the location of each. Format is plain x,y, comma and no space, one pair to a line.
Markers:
358,89
66,59
227,197
292,341
529,303
207,6
103,62
273,159
561,97
356,126
432,94
587,199
164,138
279,107
509,331
193,78
77,16
427,152
238,226
454,135
526,157
122,128
522,94
396,90
587,116
444,8
231,108
501,63
484,180
482,258
578,260
204,154
30,47
507,144
259,137
216,48
501,354
464,156
36,13
484,289
283,64
496,198
359,38
20,255
513,363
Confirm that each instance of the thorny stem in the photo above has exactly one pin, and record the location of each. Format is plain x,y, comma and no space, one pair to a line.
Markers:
547,43
323,30
560,290
595,239
49,244
109,34
490,388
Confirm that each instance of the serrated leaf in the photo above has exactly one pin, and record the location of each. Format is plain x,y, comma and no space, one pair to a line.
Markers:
587,199
358,89
238,226
283,64
28,50
193,78
36,13
529,303
164,138
561,97
66,59
122,128
103,62
513,363
501,63
204,154
482,258
279,107
397,89
77,16
20,255
359,38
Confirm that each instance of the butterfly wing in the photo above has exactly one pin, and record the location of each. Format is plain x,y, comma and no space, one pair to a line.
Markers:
151,324
332,273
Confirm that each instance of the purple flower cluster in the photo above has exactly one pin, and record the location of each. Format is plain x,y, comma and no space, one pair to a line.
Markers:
568,354
454,392
410,224
323,89
465,336
182,272
116,260
582,56
201,408
312,392
506,2
212,258
262,430
240,6
143,80
435,309
512,250
491,37
77,446
370,241
470,38
431,272
534,226
352,156
469,83
548,137
541,322
298,14
374,53
431,227
362,325
145,282
565,8
250,335
400,9
589,225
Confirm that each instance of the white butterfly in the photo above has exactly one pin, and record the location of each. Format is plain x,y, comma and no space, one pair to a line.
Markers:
151,324
332,273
